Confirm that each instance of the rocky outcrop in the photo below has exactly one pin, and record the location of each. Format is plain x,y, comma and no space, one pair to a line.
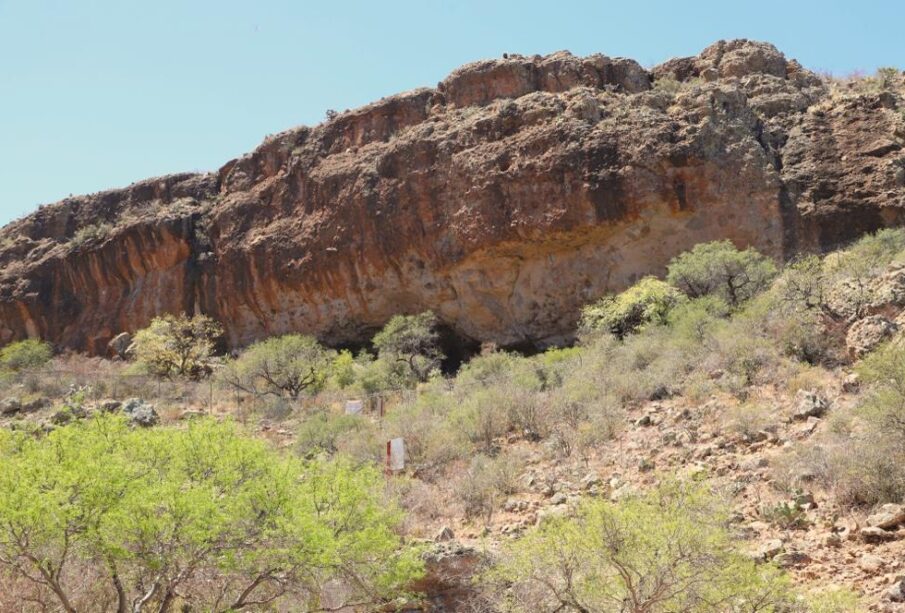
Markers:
504,199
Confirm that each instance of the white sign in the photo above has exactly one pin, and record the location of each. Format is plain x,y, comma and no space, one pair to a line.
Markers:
396,454
353,407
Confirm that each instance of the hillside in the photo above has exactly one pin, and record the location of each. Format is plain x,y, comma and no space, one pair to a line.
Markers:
738,424
503,200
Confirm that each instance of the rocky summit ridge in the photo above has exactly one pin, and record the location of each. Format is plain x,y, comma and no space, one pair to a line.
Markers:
505,198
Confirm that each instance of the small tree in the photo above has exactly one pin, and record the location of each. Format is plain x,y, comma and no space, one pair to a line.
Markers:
178,345
719,268
412,340
647,302
286,365
668,550
203,514
25,354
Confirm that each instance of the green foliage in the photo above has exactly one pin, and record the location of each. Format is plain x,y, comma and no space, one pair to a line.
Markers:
787,515
668,550
324,432
485,482
178,346
719,269
843,284
288,365
884,370
835,600
91,233
24,355
160,512
647,302
694,319
412,340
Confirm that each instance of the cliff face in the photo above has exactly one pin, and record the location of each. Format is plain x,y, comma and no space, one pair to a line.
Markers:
504,199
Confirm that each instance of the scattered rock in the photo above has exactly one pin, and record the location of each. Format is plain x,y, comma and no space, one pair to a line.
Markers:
67,415
109,406
559,499
769,550
789,559
10,406
591,481
119,345
896,591
140,412
866,334
872,534
644,420
870,563
887,516
810,404
851,383
445,534
193,414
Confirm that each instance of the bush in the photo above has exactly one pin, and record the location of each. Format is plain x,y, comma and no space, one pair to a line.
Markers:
430,440
23,355
486,481
178,346
694,319
412,340
91,233
668,550
287,365
323,432
204,512
719,269
647,302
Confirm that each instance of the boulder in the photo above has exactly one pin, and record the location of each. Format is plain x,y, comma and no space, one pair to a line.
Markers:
887,516
10,406
119,345
140,413
896,591
872,534
810,404
445,534
867,333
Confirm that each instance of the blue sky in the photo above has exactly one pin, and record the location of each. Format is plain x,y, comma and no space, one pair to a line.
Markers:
97,94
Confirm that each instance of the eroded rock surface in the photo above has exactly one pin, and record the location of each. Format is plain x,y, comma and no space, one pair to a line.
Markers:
504,199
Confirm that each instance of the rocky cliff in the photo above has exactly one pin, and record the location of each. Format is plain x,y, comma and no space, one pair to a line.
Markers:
503,199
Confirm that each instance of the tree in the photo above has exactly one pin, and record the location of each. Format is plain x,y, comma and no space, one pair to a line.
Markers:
292,364
203,515
668,550
412,340
649,301
22,355
720,269
178,345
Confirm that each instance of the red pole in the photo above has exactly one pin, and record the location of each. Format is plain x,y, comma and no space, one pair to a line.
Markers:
389,451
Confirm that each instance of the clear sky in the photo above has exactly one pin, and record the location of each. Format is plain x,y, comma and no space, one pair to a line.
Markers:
99,93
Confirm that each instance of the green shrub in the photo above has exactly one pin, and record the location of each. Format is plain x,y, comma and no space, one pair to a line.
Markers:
91,233
486,482
647,302
693,320
719,269
668,550
412,340
205,512
288,365
178,346
323,432
24,355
